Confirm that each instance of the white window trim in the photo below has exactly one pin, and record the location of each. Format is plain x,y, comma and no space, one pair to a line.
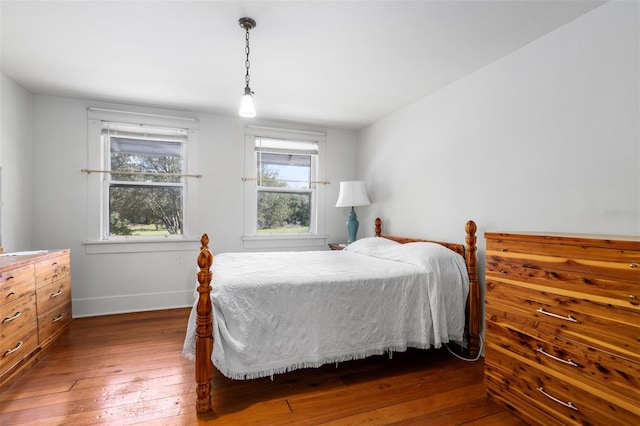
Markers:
313,240
96,201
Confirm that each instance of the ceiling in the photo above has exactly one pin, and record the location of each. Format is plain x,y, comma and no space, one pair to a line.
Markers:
328,63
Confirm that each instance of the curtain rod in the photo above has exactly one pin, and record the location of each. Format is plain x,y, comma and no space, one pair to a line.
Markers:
119,172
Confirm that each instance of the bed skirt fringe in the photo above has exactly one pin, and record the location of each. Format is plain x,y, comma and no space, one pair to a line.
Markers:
313,364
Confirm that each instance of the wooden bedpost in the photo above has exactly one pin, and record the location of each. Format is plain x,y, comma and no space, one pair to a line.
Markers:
378,224
474,305
204,329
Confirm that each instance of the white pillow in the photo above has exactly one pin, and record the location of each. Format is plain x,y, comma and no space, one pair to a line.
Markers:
430,256
370,245
425,254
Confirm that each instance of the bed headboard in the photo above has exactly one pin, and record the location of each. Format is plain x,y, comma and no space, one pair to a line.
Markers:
458,248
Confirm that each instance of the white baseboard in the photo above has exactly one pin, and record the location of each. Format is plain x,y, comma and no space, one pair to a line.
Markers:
132,303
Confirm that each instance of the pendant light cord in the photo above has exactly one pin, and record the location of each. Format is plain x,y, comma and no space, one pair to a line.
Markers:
247,63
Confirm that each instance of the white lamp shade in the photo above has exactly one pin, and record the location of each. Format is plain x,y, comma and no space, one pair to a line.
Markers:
352,194
247,109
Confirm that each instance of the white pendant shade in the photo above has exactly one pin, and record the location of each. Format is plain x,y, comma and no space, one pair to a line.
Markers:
352,194
247,109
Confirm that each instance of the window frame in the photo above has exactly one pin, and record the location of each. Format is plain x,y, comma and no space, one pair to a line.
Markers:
316,237
111,180
98,158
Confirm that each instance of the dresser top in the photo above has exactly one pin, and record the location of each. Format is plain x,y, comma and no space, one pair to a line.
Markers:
24,257
628,242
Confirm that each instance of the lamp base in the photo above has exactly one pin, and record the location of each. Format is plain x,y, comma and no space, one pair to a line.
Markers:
352,226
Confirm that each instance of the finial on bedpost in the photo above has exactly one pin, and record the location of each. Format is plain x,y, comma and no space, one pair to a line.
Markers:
475,311
205,258
378,223
204,328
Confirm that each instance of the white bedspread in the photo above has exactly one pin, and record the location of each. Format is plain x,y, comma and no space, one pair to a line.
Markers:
276,312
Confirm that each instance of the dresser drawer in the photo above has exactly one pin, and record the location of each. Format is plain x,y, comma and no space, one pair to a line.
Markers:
54,295
613,375
50,323
52,269
18,315
603,262
581,320
623,294
16,282
530,414
17,346
569,401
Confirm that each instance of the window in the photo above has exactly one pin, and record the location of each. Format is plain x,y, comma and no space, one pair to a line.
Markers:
142,182
283,188
145,189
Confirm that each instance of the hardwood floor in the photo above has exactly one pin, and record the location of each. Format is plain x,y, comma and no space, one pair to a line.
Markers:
128,369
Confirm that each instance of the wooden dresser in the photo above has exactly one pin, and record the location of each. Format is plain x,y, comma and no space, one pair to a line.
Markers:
563,327
35,308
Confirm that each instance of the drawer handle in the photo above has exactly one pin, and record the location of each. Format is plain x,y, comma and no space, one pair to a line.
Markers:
503,249
632,296
10,351
553,398
7,319
551,314
567,361
11,294
633,266
56,294
10,277
58,318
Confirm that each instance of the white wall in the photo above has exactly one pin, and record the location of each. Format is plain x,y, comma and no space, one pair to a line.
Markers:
108,283
15,161
545,139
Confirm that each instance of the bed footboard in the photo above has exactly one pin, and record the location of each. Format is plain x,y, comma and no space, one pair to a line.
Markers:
204,328
474,301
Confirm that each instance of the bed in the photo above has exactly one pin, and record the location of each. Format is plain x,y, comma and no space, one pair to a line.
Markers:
277,312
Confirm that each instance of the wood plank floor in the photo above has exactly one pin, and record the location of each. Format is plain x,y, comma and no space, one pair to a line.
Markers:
128,369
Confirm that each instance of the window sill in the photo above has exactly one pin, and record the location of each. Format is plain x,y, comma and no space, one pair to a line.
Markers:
282,242
141,246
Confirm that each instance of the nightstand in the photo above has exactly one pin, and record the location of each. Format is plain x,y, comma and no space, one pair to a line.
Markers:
335,246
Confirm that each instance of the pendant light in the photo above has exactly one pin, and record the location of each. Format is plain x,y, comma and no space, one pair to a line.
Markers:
247,109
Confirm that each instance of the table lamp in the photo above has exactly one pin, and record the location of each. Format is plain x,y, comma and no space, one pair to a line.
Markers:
352,194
